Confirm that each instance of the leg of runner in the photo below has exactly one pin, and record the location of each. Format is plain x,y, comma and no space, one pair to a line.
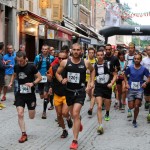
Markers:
147,99
107,107
75,112
21,122
99,101
119,89
92,102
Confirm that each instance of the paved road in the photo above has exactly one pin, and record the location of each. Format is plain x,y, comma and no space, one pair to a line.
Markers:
45,134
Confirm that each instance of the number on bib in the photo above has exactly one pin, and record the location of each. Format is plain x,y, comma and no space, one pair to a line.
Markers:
25,89
135,85
73,77
44,79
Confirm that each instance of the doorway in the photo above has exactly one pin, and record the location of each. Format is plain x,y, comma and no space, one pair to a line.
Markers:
30,47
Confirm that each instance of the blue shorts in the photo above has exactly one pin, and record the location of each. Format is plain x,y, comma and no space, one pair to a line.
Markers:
133,95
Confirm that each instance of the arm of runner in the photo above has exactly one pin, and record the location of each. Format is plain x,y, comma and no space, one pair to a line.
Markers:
113,80
126,82
59,71
50,74
147,74
92,73
14,75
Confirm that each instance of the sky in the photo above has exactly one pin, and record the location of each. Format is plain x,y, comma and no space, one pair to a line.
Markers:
139,6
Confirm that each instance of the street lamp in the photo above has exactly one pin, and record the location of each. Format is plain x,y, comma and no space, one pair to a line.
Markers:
75,3
102,22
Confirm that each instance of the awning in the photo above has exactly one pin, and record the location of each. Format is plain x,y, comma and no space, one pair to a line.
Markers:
45,21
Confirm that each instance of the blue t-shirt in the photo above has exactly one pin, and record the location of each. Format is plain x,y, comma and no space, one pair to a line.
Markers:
136,77
9,71
43,69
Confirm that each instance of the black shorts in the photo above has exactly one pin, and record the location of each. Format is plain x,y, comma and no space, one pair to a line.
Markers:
102,92
119,81
147,90
22,99
71,98
43,87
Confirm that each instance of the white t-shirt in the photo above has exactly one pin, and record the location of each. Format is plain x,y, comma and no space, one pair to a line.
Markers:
146,63
129,60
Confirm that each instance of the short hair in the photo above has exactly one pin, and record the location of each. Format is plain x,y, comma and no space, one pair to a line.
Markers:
1,45
65,48
76,44
21,54
91,48
100,51
139,55
9,45
132,44
108,45
121,53
101,48
45,45
21,45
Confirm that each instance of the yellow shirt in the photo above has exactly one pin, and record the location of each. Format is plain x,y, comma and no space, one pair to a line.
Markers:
92,62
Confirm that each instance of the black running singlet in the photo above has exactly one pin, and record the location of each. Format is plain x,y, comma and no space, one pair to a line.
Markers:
76,74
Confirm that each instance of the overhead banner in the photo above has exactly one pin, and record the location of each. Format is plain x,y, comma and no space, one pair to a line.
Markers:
43,4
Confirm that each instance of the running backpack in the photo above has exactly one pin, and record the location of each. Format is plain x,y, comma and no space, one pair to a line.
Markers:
40,62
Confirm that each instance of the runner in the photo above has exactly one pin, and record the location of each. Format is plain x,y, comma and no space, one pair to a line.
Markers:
112,61
25,74
130,61
59,96
146,63
90,92
75,68
121,91
42,62
135,84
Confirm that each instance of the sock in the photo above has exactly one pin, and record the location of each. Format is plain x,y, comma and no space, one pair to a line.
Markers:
45,105
101,125
23,133
129,110
51,100
134,121
107,113
116,101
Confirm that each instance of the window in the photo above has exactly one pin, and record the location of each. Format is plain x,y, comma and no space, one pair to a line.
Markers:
30,5
21,4
43,12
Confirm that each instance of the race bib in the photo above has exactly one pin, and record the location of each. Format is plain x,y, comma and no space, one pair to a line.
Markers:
25,89
135,85
102,79
73,77
44,79
101,70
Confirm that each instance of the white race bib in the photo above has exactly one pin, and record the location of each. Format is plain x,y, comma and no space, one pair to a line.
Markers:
101,70
25,89
73,77
44,79
135,85
103,78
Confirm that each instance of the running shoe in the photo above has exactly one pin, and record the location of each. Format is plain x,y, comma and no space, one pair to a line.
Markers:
1,108
129,114
134,124
107,118
51,108
100,130
90,112
146,105
148,117
23,138
64,134
123,107
116,105
70,123
3,98
44,115
2,105
81,127
74,145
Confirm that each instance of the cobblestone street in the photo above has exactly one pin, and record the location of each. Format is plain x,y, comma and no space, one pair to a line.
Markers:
119,133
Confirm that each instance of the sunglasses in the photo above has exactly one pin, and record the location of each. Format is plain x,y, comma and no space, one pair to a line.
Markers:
61,58
108,49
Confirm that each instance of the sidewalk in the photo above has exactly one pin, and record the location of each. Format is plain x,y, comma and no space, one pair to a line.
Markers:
119,133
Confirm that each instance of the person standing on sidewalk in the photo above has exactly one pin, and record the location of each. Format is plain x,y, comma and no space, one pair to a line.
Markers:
135,85
43,62
3,66
25,74
146,63
9,57
75,79
105,78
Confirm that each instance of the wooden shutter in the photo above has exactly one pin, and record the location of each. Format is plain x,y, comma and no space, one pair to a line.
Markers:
21,4
43,12
30,5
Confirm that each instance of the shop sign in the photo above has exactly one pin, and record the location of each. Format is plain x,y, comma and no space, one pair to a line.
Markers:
63,36
41,30
85,40
50,34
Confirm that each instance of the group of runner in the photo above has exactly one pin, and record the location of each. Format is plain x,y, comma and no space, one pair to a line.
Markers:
67,79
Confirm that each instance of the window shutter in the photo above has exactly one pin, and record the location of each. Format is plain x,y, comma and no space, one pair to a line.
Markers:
30,5
21,4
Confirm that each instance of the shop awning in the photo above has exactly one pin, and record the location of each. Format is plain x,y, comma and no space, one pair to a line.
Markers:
45,21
